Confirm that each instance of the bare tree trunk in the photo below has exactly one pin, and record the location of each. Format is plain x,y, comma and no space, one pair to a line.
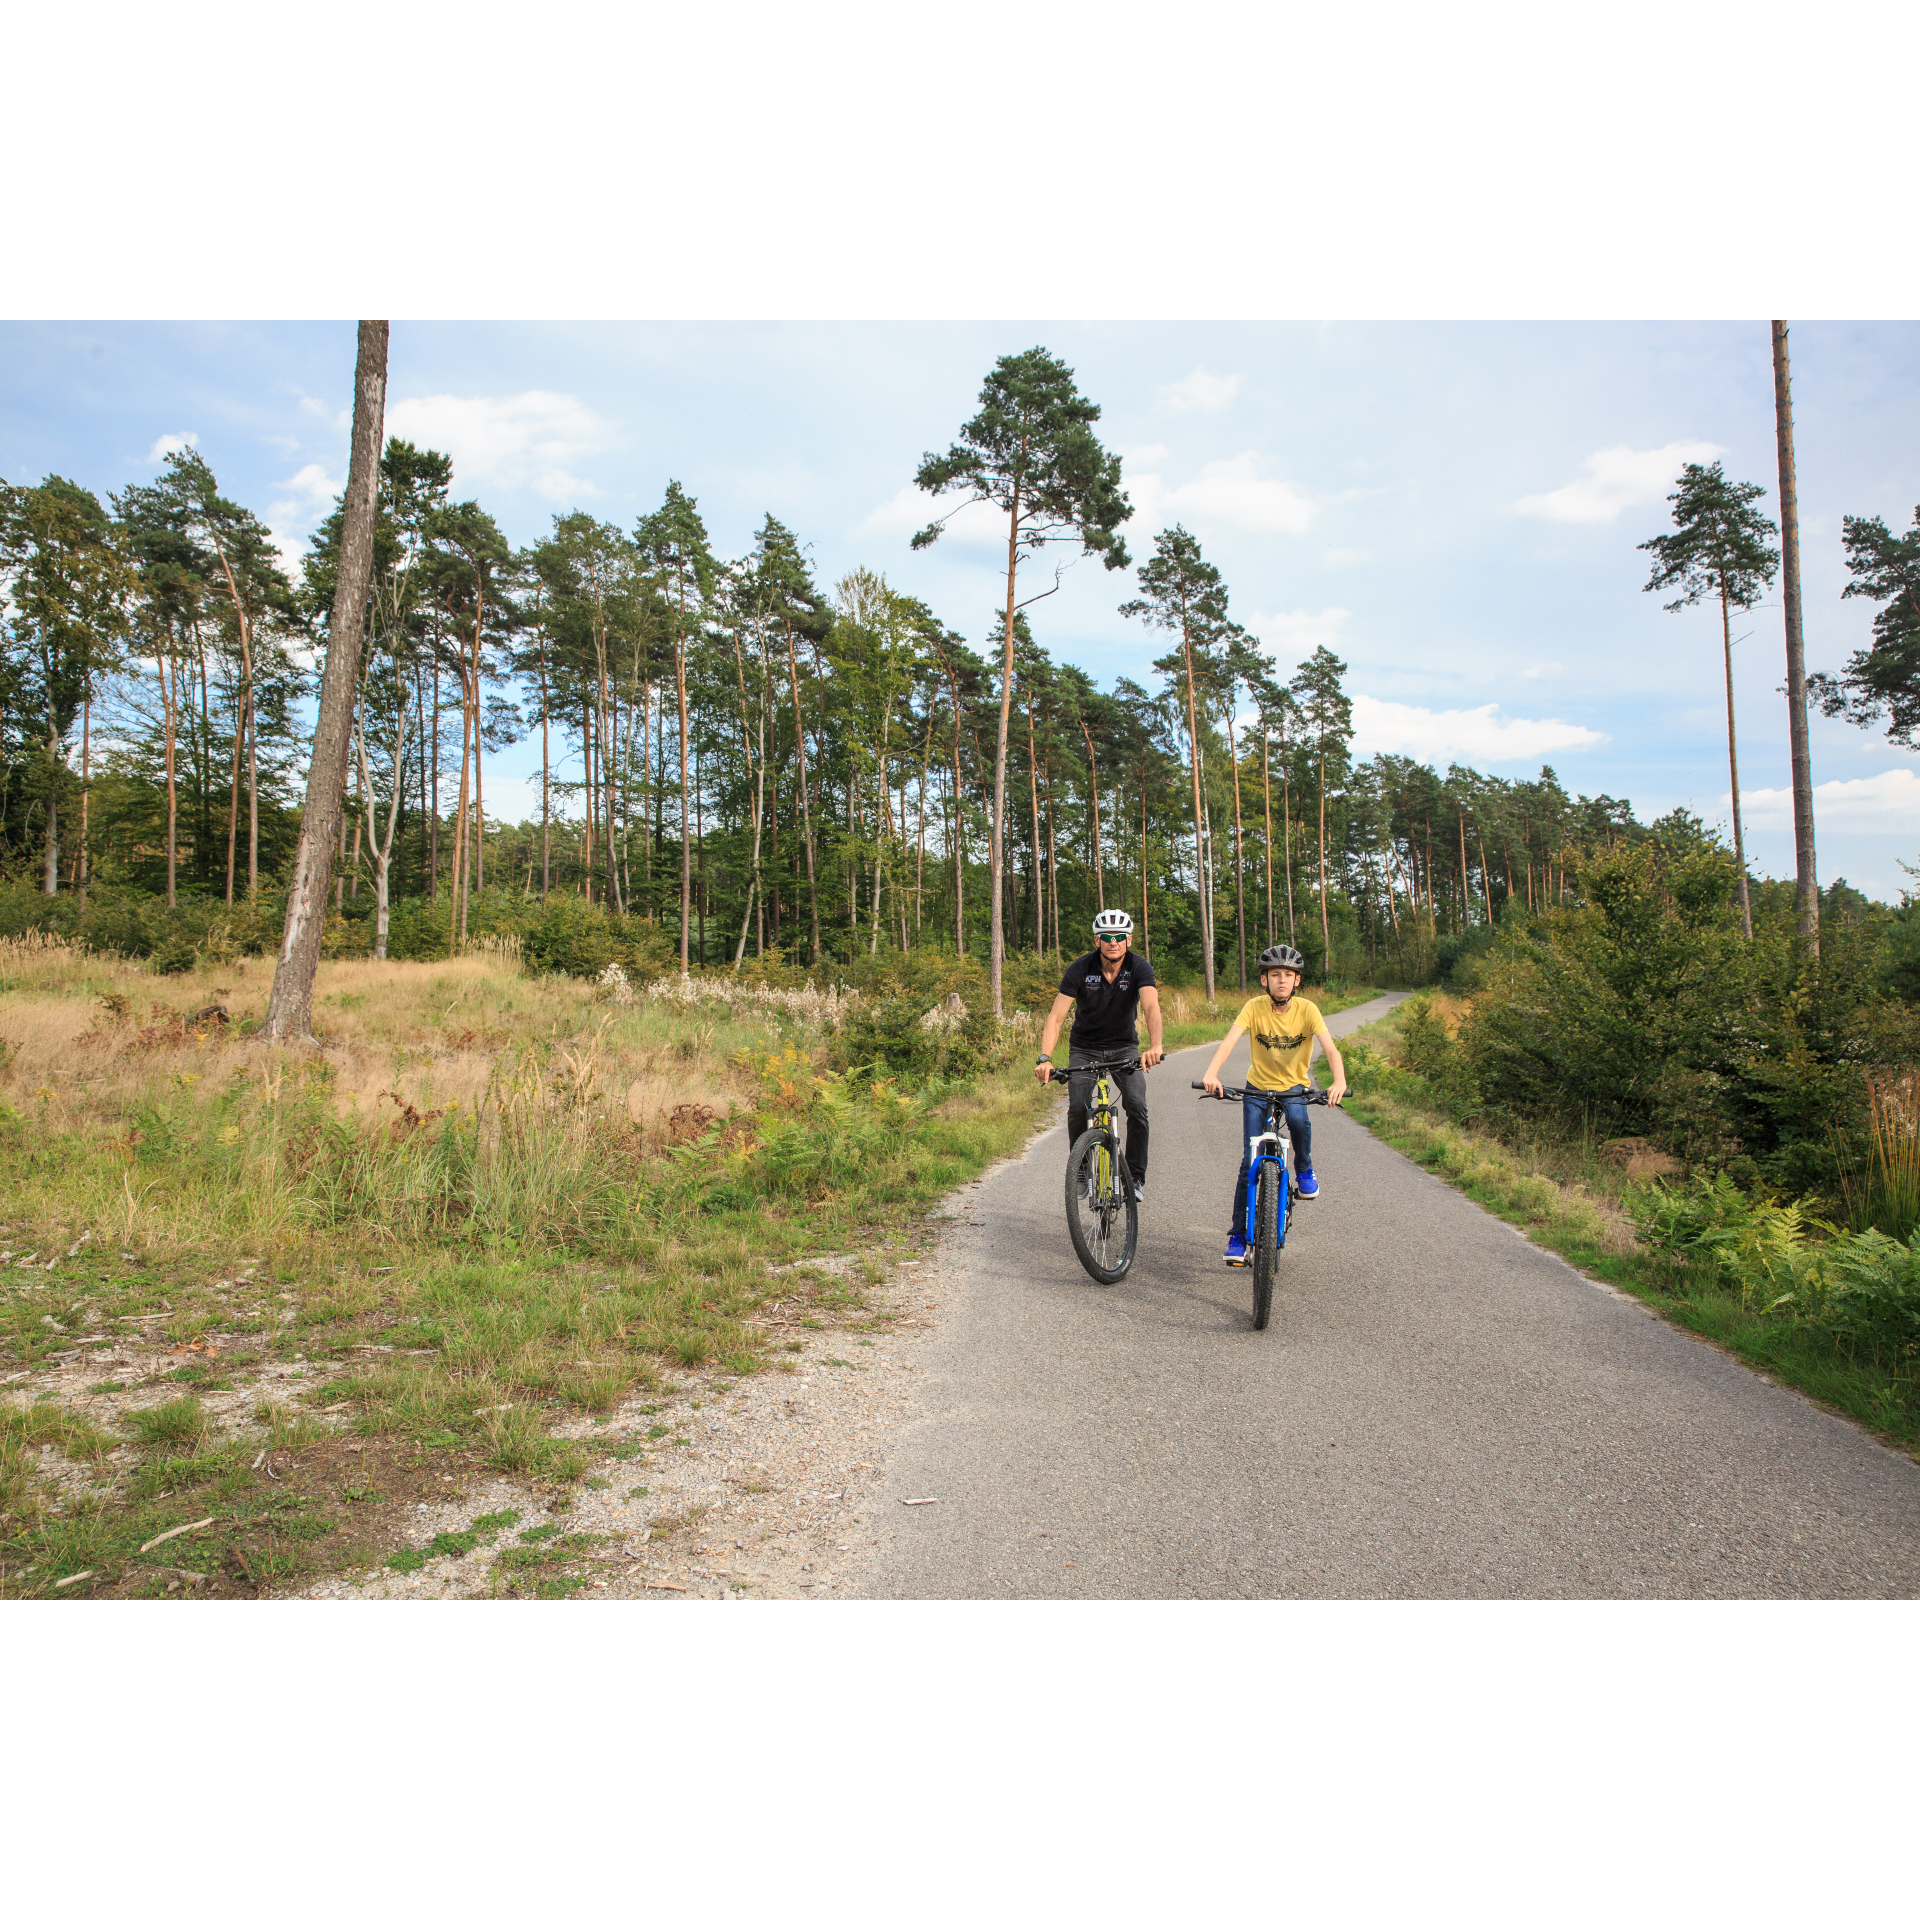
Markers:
1093,787
959,846
233,796
170,703
1239,862
1733,768
290,1005
432,744
546,818
1200,871
806,813
1147,937
1806,885
1326,927
1266,801
457,883
686,823
253,795
997,827
86,778
1039,872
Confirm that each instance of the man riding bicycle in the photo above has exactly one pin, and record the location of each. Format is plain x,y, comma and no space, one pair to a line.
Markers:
1104,990
1283,1029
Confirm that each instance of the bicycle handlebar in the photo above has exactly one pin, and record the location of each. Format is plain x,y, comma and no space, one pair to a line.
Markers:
1098,1066
1311,1096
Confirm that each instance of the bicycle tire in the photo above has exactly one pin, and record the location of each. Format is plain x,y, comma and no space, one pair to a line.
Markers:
1106,1228
1266,1247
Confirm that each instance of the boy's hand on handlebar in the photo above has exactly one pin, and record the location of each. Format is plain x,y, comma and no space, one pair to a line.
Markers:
1213,1086
1337,1092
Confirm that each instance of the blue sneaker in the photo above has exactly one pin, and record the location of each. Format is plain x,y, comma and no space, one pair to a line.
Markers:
1305,1185
1236,1254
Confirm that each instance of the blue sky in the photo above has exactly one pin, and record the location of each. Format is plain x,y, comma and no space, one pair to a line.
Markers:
1454,508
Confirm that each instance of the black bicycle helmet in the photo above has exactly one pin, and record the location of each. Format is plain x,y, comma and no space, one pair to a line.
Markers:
1283,957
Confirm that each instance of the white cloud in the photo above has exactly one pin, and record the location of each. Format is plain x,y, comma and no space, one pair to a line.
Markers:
530,439
292,550
306,499
1224,493
170,443
1476,736
511,798
1201,392
1344,556
310,494
1617,478
1290,637
308,404
974,523
1883,803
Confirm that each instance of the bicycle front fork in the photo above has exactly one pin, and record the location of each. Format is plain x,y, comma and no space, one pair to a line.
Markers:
1253,1197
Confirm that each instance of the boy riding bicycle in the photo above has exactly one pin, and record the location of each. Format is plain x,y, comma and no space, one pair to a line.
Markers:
1282,1029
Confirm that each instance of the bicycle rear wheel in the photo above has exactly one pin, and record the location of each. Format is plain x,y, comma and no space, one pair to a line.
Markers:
1103,1217
1266,1248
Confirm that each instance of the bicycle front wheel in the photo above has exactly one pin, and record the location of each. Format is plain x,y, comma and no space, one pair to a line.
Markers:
1266,1243
1103,1217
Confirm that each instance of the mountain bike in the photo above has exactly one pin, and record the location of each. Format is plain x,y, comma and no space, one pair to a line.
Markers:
1270,1189
1103,1217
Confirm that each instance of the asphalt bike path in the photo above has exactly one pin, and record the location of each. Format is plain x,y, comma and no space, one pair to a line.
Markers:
1439,1409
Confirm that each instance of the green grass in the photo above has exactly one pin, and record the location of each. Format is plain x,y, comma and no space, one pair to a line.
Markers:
1565,1199
446,1287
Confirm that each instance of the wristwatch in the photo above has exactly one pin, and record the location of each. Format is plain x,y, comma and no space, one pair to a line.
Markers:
1044,1060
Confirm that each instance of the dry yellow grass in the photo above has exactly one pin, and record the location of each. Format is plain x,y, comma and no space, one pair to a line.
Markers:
88,1040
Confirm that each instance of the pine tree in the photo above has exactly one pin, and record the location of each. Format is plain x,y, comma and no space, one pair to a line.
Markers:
1030,451
1719,547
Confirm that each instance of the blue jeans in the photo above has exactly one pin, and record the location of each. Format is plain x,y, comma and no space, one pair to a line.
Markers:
1253,1121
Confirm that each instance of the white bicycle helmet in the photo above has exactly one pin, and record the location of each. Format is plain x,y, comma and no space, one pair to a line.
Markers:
1112,920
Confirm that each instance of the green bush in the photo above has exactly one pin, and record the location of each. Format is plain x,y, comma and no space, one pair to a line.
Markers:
141,926
566,935
1644,1010
905,1037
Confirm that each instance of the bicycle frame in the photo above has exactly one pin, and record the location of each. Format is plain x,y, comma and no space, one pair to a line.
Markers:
1275,1144
1103,1105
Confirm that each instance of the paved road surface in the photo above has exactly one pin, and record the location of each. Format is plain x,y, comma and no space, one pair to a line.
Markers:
1438,1409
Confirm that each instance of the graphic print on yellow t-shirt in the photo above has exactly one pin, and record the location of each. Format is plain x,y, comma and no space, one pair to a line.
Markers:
1282,1041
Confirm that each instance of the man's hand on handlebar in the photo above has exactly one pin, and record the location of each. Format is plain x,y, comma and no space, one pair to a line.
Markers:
1153,1056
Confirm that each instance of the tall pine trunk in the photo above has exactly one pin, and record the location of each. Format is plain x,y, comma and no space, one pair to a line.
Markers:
290,1005
1806,885
1200,870
1733,767
997,826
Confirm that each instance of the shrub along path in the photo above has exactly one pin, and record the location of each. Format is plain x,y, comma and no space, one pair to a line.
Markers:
1440,1408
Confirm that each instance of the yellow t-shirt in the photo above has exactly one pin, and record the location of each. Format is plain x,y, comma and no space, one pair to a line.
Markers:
1282,1041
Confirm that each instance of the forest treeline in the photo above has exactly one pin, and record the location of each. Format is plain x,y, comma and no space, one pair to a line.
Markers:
809,764
823,752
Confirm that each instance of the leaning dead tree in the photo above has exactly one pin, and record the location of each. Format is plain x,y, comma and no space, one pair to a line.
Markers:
290,1007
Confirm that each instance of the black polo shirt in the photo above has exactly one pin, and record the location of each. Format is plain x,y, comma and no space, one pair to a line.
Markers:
1105,1010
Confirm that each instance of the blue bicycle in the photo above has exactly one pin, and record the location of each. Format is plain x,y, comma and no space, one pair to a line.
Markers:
1270,1189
